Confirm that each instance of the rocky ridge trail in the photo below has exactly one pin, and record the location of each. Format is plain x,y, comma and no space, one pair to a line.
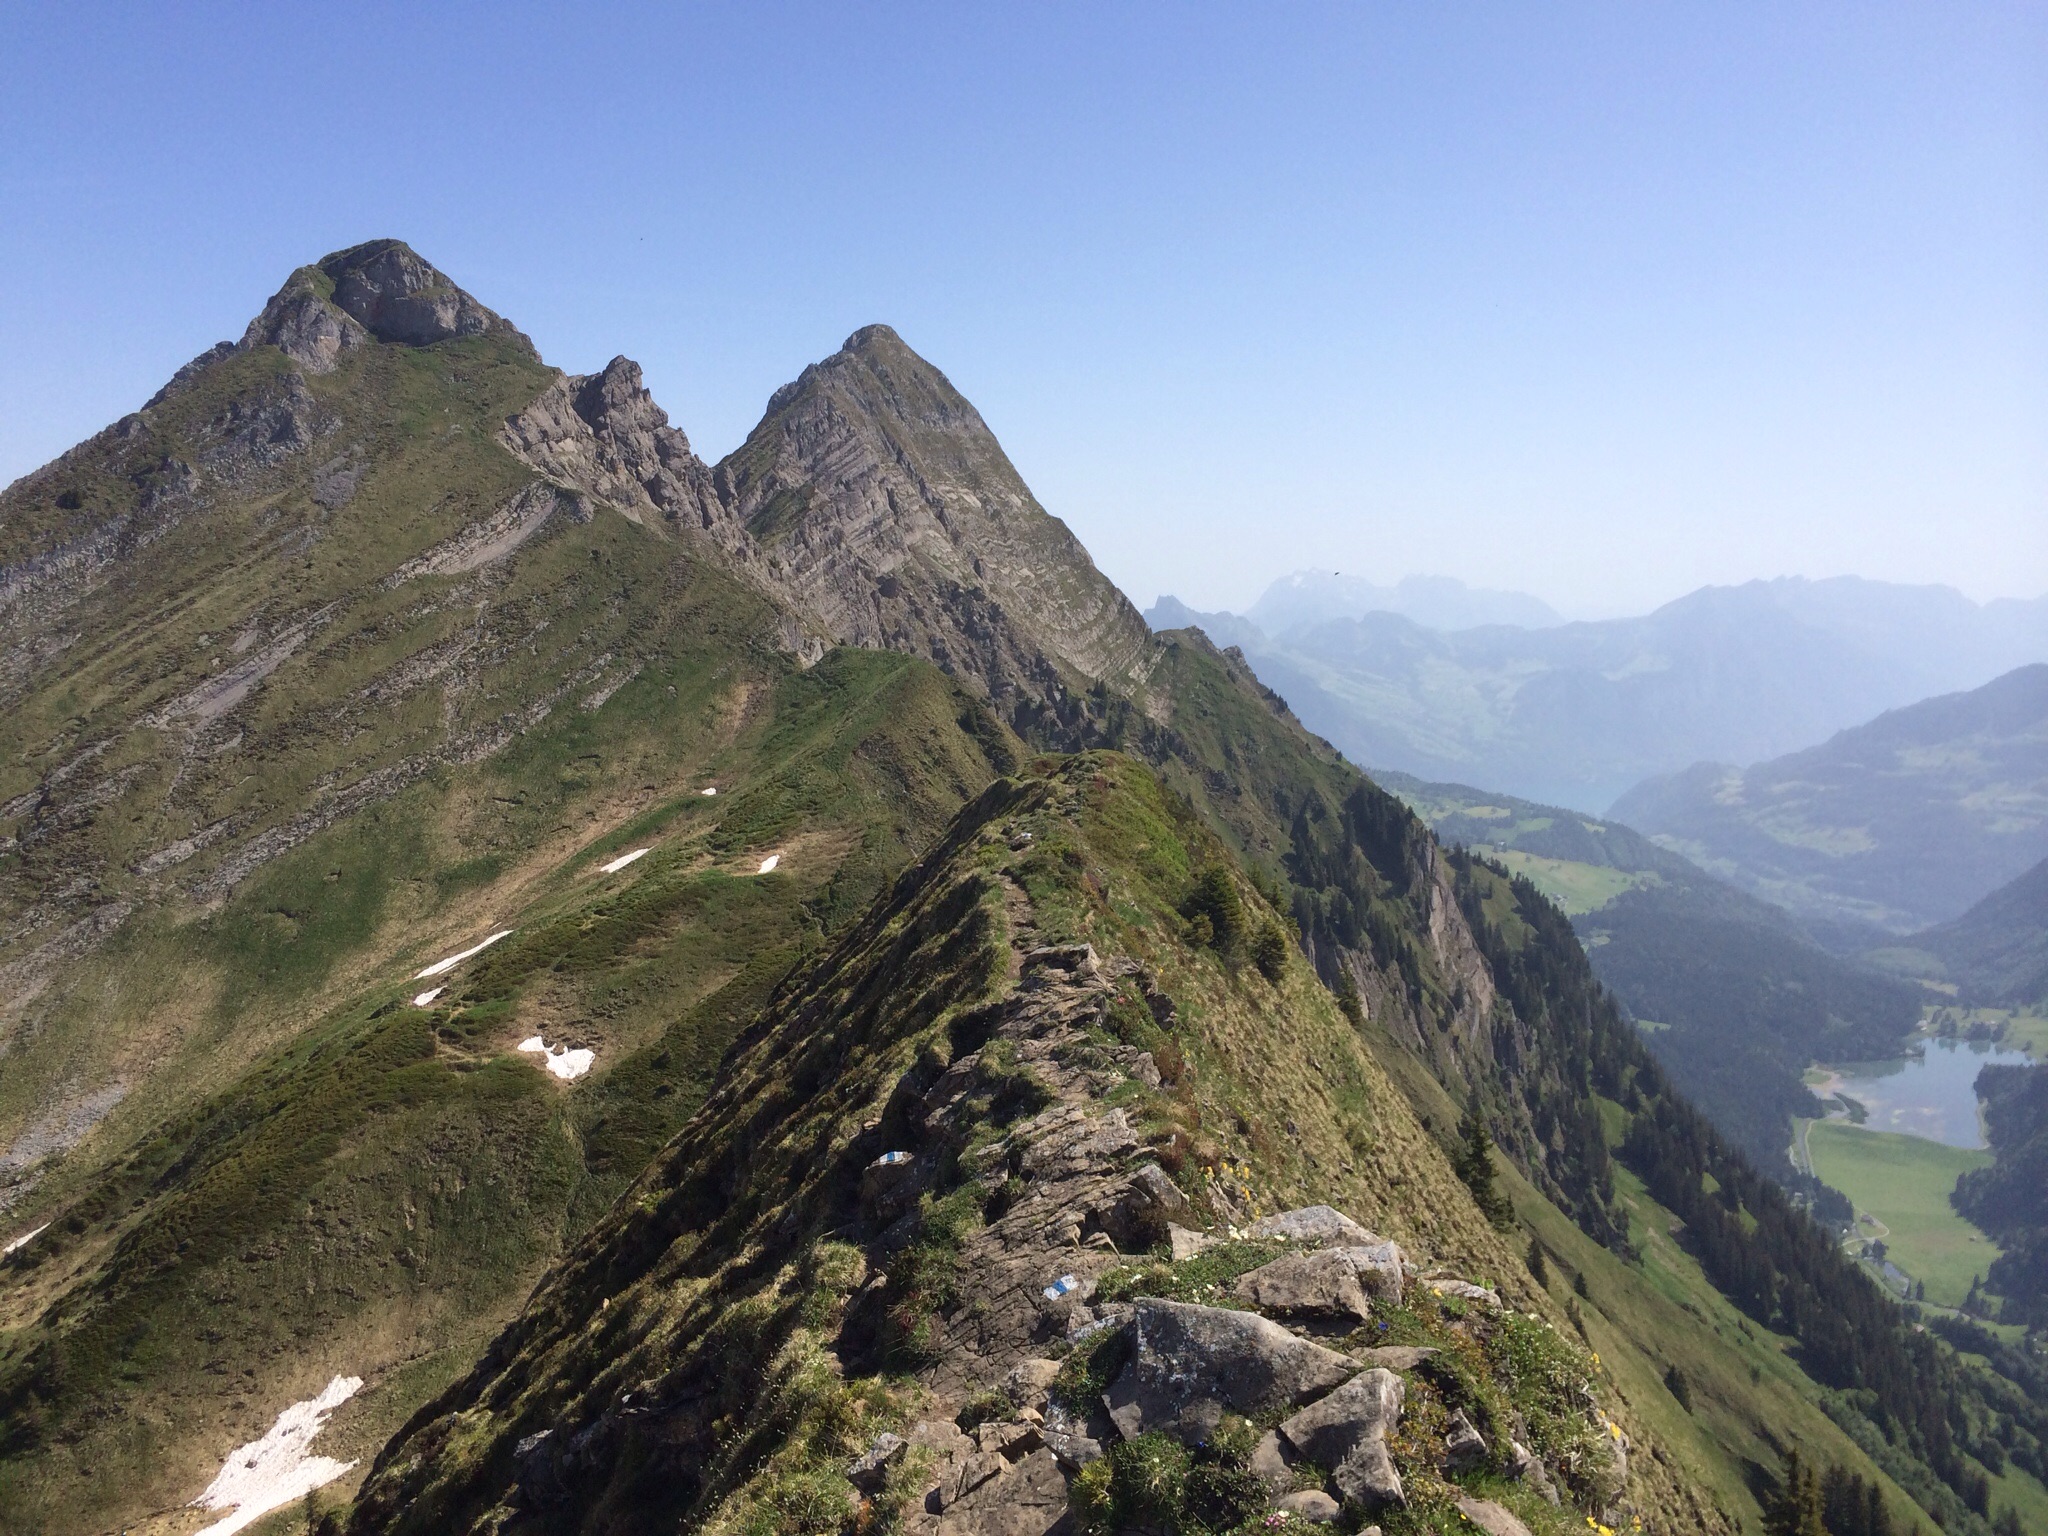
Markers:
915,1260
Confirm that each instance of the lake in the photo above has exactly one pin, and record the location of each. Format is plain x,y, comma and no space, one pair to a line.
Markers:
1931,1095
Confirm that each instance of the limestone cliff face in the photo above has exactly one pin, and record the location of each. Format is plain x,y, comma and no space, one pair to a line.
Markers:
381,290
885,509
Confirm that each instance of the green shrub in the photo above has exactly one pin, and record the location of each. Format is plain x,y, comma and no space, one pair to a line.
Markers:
1269,951
1215,900
1155,1483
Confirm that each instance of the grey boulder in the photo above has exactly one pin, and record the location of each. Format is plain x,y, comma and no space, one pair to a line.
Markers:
1321,1285
1314,1224
1312,1505
1380,1266
871,1469
1465,1290
1491,1518
1028,1499
1464,1446
1190,1365
1396,1357
1346,1433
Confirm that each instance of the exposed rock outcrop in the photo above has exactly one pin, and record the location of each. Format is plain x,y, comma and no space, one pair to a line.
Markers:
1191,1365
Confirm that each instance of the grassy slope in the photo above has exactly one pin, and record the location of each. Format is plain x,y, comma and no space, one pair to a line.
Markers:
1904,1182
298,1183
706,1235
370,1198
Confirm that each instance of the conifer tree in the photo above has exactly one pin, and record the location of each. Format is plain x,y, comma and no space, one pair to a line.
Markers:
1795,1511
1539,1269
1475,1166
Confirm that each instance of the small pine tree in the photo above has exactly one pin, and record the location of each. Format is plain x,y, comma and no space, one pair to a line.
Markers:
1475,1167
1215,898
2008,1523
1269,951
1539,1267
1676,1384
1579,1286
1795,1509
1349,1003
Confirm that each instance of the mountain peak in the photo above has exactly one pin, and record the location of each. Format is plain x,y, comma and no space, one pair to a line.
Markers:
873,337
886,510
381,290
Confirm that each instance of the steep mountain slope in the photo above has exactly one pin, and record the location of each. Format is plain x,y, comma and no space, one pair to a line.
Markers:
996,1024
877,508
1897,824
317,1168
1576,714
462,690
1997,952
1734,999
2010,1198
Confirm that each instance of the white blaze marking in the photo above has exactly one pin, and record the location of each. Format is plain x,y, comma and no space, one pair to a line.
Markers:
769,863
272,1472
454,960
24,1240
620,862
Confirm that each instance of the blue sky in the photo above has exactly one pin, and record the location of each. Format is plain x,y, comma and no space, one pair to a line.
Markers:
1602,302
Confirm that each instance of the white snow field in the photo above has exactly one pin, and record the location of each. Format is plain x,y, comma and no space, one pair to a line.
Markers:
272,1472
711,791
622,861
567,1065
24,1240
426,998
769,863
454,960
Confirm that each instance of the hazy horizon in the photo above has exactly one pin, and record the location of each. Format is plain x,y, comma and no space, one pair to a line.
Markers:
1599,305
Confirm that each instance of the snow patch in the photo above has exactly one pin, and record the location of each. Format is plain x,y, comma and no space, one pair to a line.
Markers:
769,863
24,1240
621,861
426,998
275,1471
711,791
567,1065
454,960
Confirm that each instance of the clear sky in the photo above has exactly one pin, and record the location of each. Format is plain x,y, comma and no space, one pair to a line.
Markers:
1602,302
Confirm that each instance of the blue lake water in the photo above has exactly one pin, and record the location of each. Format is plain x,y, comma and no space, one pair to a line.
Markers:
1931,1095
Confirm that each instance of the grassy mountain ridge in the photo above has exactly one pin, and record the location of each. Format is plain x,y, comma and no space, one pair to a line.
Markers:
740,1210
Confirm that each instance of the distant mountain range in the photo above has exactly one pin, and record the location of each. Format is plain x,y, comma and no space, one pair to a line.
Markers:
1309,598
1894,825
1577,714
